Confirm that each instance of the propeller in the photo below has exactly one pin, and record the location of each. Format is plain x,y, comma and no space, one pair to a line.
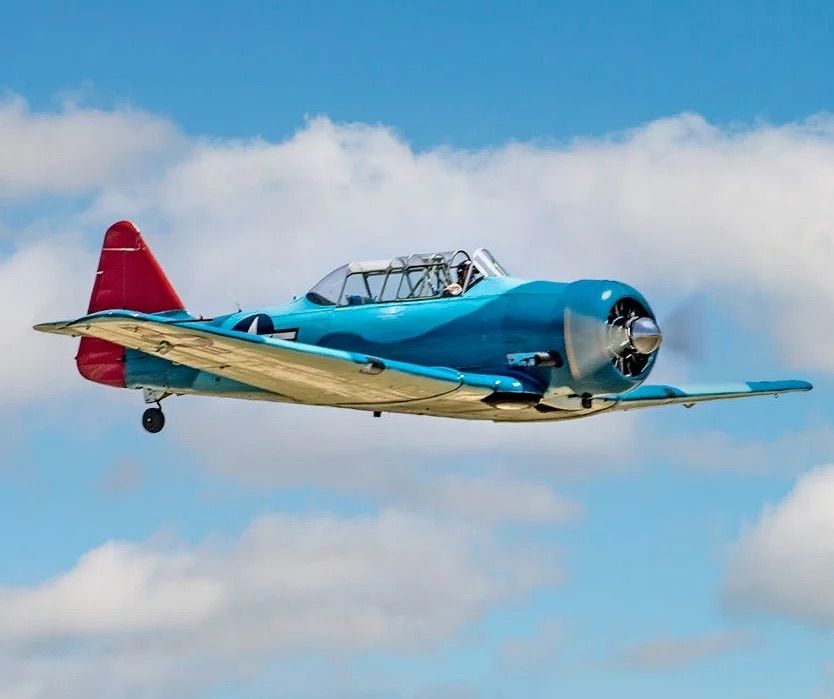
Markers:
685,328
631,335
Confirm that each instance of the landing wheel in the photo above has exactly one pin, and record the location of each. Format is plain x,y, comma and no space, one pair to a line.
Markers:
153,420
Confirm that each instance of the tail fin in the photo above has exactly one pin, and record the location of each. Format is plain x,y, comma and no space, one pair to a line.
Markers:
128,277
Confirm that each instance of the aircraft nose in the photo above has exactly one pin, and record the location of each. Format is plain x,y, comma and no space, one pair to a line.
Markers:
645,335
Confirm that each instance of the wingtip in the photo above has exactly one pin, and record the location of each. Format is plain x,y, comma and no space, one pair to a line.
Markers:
784,386
797,385
57,328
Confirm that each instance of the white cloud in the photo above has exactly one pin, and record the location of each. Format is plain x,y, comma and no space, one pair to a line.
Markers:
395,581
76,149
784,563
674,205
40,281
669,652
498,499
714,451
114,588
399,458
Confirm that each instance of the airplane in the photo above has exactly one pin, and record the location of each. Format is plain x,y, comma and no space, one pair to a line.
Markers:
444,334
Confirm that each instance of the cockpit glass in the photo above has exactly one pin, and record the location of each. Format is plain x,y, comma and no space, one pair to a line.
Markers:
489,266
375,281
409,278
326,292
356,291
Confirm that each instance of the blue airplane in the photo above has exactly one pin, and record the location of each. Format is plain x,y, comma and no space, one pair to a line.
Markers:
447,334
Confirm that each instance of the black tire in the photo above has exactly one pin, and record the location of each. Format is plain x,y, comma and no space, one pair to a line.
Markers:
153,420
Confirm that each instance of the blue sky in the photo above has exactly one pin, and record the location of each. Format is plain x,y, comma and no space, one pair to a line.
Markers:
465,73
260,550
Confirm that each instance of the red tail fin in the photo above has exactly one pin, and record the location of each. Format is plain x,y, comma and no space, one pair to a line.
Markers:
128,277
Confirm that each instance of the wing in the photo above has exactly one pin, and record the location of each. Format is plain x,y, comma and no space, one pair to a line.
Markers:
294,371
302,373
650,396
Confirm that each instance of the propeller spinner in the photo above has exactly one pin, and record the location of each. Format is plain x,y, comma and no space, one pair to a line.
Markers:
644,335
633,335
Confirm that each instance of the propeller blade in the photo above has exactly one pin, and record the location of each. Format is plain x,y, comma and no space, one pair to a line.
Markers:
684,329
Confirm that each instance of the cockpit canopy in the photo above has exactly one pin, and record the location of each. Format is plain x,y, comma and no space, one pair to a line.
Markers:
409,278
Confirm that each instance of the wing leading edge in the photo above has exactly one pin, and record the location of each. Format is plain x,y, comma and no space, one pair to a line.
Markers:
651,396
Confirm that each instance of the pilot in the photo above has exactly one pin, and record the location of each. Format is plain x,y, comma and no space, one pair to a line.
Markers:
456,288
474,275
463,270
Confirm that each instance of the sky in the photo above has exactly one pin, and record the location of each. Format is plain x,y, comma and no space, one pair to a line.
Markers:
256,550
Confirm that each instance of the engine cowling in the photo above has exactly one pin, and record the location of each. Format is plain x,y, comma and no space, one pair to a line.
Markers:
611,337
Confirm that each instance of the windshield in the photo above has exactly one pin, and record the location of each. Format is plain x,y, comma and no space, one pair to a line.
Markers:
327,291
490,267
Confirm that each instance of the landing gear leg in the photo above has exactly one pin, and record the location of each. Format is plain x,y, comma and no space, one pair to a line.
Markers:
153,419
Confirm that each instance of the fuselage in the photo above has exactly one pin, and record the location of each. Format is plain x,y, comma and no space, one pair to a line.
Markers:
491,328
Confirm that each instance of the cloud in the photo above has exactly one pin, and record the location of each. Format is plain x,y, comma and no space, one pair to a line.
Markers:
674,205
395,581
784,563
714,451
114,588
77,149
668,652
393,457
498,499
40,281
